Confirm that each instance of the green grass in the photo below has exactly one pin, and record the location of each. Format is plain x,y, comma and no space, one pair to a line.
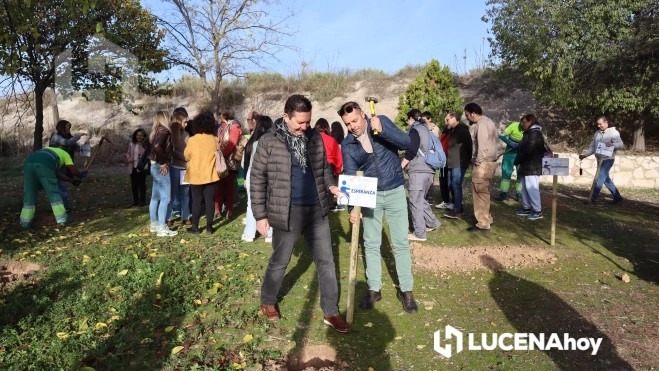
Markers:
81,311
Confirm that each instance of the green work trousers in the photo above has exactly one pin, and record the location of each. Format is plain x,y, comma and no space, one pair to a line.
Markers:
507,165
393,204
36,174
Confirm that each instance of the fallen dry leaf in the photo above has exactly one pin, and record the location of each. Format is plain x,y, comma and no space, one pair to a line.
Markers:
247,338
368,325
177,349
85,259
625,278
123,272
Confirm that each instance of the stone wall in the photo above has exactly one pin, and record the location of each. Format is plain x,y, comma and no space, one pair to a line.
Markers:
627,171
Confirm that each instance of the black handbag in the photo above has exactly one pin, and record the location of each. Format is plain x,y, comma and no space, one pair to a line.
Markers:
144,164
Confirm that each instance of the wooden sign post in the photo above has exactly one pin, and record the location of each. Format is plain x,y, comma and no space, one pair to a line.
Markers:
556,167
354,256
592,187
554,205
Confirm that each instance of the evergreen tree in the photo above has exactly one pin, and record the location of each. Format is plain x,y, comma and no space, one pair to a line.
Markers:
434,90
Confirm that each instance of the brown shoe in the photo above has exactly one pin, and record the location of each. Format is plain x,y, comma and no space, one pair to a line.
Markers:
270,311
188,222
169,223
338,323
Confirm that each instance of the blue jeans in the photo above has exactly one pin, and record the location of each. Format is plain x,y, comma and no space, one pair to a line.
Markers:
160,195
456,178
604,179
180,195
63,189
250,227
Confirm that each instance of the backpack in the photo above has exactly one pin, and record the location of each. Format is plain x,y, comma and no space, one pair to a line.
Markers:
435,157
548,151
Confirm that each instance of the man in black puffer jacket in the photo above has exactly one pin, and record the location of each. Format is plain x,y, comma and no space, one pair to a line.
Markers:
529,158
372,147
290,186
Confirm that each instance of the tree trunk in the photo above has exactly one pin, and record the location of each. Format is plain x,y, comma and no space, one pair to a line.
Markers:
639,136
215,96
38,124
55,108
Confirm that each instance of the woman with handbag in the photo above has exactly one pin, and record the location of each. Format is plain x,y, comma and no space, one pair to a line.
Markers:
137,177
201,170
161,159
228,136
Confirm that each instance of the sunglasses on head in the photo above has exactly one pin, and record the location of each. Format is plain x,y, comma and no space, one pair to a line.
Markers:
346,110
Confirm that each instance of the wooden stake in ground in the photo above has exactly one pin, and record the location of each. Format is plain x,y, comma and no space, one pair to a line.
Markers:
592,187
554,204
354,255
87,165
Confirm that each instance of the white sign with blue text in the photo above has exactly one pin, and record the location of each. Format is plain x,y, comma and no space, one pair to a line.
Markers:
556,166
358,191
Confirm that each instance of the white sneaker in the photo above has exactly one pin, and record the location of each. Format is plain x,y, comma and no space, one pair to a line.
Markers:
246,239
164,231
444,205
154,227
268,239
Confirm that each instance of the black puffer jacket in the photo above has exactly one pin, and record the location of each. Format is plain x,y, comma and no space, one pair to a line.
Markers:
531,151
270,178
459,147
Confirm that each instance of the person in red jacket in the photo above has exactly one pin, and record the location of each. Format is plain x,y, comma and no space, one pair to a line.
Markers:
332,149
444,190
229,133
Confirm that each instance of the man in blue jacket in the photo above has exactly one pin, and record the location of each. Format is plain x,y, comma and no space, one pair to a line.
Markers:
372,147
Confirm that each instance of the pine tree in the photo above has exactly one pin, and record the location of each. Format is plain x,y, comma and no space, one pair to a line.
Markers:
434,90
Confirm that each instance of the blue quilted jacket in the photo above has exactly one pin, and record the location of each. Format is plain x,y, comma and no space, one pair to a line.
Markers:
384,162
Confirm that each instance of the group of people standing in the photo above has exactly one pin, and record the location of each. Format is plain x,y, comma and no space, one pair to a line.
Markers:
291,181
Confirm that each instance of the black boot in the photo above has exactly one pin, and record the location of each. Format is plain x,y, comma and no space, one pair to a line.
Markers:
501,197
409,305
194,230
369,300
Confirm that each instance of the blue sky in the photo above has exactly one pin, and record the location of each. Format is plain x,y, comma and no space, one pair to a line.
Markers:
382,34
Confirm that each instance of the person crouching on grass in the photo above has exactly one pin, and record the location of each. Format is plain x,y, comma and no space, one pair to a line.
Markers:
42,169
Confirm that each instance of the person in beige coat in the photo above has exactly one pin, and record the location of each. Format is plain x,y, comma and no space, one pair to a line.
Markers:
200,171
484,162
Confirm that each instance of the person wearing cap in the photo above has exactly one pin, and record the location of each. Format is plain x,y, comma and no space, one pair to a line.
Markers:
41,170
372,146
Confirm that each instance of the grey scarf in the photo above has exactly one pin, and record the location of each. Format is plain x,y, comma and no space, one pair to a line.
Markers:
297,144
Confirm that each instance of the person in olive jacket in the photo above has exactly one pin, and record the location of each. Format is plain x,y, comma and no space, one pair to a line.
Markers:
529,158
458,157
291,183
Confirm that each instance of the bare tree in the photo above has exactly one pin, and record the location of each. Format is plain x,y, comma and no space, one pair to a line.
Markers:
215,39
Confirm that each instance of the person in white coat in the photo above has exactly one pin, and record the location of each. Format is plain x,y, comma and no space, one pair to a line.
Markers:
605,143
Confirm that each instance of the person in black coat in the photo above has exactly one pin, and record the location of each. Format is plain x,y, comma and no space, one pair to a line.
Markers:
529,158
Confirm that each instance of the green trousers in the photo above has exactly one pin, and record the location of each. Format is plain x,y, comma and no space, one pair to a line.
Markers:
507,165
35,174
393,204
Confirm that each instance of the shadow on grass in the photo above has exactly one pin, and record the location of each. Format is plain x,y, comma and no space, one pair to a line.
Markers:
531,308
141,340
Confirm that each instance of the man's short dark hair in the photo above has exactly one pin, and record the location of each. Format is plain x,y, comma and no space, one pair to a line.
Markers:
297,103
603,118
181,110
348,107
204,123
427,114
473,108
